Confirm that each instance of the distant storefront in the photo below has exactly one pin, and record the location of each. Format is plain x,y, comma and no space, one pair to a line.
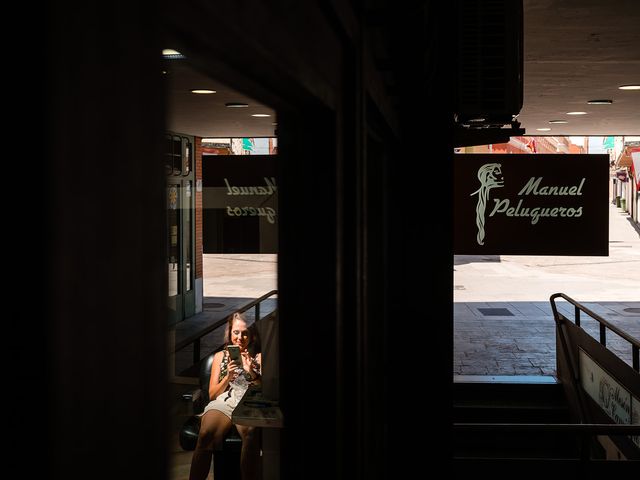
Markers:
179,156
221,198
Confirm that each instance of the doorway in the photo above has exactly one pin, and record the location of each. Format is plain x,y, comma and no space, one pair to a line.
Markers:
180,232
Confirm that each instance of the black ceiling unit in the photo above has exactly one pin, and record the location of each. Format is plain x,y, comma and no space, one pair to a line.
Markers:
489,64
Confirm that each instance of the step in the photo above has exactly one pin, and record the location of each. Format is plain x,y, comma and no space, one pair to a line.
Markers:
515,387
568,468
481,444
509,399
471,411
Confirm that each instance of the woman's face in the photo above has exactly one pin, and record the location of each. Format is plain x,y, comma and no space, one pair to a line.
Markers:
239,333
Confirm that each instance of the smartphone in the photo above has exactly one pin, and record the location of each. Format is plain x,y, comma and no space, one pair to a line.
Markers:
234,353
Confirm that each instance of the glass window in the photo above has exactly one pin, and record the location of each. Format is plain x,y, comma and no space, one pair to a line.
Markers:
168,155
188,212
187,155
177,155
173,220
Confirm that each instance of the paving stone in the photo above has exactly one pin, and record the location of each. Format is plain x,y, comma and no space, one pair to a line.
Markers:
524,285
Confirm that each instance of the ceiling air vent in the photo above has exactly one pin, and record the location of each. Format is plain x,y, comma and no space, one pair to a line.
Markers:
489,62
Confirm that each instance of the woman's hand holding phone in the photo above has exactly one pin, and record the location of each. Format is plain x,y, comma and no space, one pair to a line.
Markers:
235,361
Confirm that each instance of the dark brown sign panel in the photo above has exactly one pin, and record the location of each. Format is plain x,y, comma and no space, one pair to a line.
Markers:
531,204
239,204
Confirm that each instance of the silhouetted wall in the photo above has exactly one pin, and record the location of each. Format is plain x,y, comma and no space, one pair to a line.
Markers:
106,282
367,276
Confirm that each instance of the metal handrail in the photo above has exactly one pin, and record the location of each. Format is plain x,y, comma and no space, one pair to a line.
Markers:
582,430
256,303
635,343
195,339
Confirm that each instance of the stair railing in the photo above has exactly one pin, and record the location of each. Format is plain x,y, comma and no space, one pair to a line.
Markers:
604,326
583,429
574,372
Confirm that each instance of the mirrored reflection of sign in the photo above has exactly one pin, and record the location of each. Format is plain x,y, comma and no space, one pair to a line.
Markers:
612,397
240,204
267,190
531,204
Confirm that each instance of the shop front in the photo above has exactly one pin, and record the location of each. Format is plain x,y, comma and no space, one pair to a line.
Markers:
179,156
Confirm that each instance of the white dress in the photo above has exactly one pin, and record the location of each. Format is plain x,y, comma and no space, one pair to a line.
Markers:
228,400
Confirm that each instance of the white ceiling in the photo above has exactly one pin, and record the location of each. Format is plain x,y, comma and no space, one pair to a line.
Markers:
207,115
574,51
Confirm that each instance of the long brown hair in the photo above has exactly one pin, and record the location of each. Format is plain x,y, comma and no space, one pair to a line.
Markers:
254,339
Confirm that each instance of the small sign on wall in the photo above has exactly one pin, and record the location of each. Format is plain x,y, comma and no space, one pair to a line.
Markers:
531,204
617,402
605,390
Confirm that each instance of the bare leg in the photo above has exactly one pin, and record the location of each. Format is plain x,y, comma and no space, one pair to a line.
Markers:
250,462
213,427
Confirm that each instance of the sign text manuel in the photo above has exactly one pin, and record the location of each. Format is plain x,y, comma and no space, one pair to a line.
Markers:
531,204
239,204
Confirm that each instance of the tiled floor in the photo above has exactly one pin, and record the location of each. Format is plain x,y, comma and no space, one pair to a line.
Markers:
523,343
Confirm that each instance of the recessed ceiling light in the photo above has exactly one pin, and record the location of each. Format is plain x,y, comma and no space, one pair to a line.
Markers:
629,87
558,121
203,91
172,54
576,113
600,102
260,115
545,129
236,105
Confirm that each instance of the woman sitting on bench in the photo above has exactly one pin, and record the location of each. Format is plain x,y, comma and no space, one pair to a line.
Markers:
229,382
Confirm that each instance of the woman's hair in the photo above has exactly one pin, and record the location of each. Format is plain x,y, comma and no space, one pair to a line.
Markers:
227,331
254,339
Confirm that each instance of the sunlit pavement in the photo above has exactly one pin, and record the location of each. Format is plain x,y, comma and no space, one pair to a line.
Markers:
520,338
